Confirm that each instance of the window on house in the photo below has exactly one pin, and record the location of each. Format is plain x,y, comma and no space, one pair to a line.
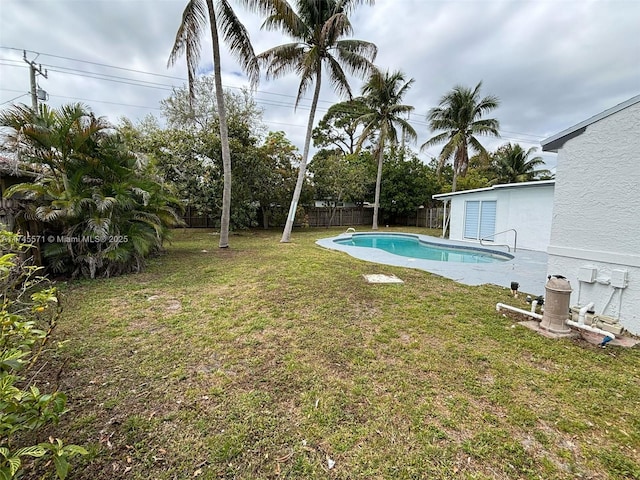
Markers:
480,219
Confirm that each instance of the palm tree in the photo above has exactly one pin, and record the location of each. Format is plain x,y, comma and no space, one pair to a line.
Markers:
317,28
512,164
460,114
382,94
89,189
196,16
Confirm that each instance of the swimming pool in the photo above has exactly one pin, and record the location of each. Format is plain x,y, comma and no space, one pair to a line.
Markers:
527,267
411,246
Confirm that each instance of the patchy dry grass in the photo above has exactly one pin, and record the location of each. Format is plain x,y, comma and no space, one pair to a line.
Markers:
274,360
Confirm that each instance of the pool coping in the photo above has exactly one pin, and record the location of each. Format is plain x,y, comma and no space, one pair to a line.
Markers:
527,267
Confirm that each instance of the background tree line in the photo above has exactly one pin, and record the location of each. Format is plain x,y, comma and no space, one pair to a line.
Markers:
187,153
144,173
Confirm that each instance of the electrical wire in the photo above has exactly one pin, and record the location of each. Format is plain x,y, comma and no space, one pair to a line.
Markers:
15,98
171,87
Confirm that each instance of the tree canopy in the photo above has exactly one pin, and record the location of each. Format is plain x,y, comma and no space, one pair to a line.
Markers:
459,117
218,16
382,94
318,31
513,164
105,210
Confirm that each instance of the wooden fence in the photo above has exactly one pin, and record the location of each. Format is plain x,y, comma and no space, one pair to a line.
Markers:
195,220
429,217
344,217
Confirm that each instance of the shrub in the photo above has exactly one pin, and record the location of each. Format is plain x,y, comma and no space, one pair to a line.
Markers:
91,192
28,314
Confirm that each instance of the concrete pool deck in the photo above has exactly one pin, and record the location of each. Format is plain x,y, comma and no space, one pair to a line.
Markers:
528,267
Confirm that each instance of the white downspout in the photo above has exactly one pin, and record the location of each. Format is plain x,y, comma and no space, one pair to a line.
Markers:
444,219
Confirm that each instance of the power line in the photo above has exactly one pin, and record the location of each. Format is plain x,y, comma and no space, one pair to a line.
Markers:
100,75
107,102
95,63
183,79
171,87
15,98
96,77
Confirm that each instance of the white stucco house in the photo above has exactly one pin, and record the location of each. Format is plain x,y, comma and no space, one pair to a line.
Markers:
595,231
496,214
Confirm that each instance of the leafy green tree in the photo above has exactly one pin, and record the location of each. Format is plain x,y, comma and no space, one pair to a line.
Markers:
383,93
459,116
407,185
92,191
188,152
317,29
197,110
274,177
339,178
180,158
199,14
513,164
338,128
479,174
475,178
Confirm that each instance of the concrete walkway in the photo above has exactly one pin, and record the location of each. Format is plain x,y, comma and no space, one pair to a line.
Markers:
528,267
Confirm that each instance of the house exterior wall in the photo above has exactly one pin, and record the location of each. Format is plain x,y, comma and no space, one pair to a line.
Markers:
525,209
596,215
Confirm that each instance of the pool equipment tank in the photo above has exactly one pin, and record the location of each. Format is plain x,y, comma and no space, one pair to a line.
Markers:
556,311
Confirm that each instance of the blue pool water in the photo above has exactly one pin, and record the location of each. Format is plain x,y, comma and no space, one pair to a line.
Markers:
412,247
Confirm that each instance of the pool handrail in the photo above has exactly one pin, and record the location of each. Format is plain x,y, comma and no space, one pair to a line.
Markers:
515,239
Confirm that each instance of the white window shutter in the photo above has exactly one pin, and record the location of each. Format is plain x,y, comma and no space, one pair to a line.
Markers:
471,219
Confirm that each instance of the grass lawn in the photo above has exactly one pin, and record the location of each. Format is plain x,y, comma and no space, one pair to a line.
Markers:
272,360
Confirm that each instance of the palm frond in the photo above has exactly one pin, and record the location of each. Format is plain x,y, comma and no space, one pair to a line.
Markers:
283,17
335,27
338,78
188,36
407,129
476,146
282,59
348,6
488,126
237,38
48,214
33,188
357,56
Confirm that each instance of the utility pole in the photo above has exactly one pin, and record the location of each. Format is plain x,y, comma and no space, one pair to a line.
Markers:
33,71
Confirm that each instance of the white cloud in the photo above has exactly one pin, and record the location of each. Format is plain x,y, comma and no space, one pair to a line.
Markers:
551,63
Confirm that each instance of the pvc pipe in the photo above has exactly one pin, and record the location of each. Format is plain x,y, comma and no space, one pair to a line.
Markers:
500,306
606,305
583,312
591,329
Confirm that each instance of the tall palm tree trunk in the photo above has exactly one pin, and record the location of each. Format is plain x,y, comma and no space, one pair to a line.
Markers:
286,234
224,131
376,202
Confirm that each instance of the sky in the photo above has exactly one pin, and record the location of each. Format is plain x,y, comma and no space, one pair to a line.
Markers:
551,63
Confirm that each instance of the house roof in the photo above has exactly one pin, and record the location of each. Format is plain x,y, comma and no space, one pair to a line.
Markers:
539,183
555,142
